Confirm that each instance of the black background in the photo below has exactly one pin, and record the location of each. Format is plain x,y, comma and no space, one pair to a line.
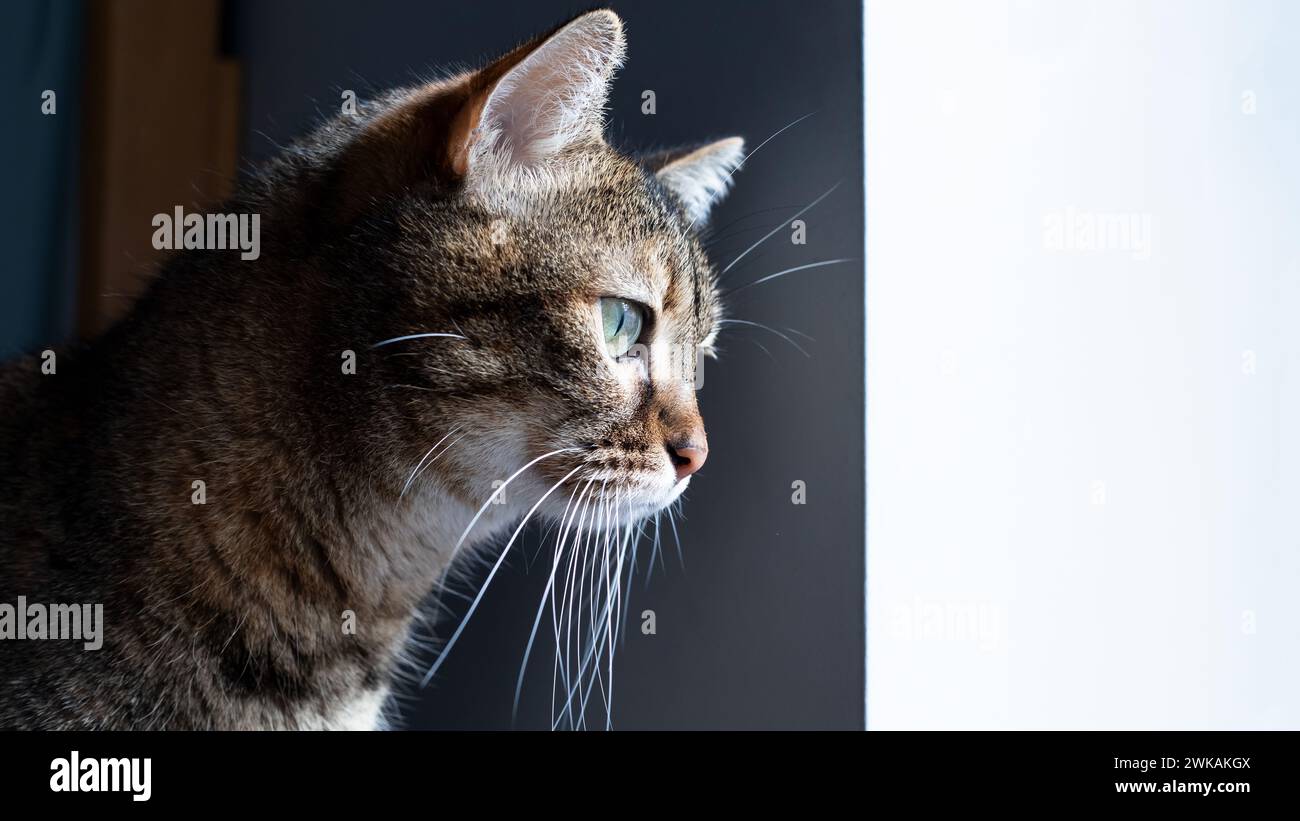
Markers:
818,773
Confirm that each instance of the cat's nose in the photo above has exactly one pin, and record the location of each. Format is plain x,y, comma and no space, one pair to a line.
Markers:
688,453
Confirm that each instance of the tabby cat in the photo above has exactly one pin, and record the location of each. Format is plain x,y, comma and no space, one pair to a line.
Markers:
463,294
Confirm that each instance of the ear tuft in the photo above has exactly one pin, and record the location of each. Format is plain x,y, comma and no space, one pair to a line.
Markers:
701,177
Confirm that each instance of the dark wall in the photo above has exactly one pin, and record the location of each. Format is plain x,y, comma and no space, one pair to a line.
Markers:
40,50
763,626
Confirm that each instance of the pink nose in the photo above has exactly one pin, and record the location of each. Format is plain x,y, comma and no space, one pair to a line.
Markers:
688,456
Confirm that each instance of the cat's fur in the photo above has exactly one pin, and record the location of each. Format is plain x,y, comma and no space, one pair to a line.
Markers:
487,205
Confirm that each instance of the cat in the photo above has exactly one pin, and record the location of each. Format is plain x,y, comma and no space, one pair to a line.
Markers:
463,294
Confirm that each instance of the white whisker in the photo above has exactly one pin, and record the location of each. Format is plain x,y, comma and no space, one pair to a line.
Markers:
560,670
578,574
411,478
654,551
501,490
497,566
565,620
745,158
620,611
595,648
676,540
627,594
415,336
541,606
766,328
768,235
787,271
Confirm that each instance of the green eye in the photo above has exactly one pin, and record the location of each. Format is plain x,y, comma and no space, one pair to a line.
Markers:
621,322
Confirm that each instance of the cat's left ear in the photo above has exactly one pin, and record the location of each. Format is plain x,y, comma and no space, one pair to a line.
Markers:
698,177
538,100
493,131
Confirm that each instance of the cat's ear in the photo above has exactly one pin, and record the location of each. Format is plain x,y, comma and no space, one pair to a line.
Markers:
698,177
538,100
476,131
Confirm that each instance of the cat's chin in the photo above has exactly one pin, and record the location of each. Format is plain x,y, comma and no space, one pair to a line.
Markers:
641,504
613,506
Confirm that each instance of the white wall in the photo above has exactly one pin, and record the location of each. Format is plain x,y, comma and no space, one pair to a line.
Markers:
1083,465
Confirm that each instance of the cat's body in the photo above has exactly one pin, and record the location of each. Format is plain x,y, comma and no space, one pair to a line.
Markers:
255,517
248,587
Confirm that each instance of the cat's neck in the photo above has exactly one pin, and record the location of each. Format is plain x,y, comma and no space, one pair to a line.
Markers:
268,521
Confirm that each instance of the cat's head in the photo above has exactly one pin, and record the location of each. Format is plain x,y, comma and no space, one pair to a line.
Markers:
565,279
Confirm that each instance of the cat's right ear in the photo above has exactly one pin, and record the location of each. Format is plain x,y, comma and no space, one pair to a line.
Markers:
494,131
698,177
